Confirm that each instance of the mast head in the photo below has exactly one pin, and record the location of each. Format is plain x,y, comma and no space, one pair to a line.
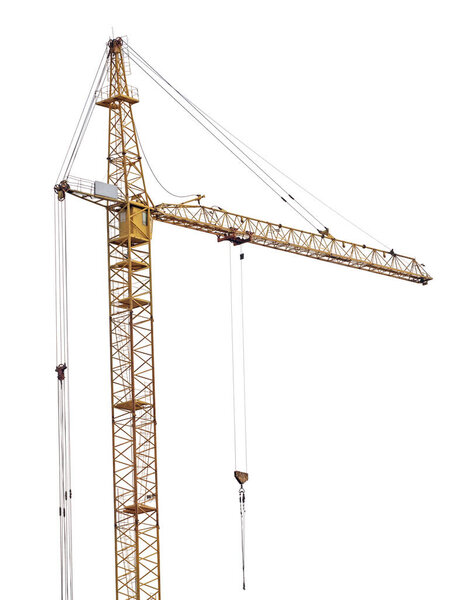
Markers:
115,45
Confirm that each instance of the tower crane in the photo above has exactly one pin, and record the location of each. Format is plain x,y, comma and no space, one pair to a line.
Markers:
130,214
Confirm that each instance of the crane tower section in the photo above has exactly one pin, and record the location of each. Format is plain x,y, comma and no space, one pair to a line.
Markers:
129,227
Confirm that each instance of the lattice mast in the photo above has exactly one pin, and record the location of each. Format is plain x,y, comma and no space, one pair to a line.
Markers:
129,227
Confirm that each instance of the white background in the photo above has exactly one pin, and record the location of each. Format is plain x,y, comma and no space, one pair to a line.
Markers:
358,385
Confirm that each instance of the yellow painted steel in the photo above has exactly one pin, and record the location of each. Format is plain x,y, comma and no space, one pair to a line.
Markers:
131,344
242,229
136,224
321,246
129,229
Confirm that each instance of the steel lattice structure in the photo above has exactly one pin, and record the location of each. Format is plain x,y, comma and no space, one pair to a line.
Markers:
130,213
131,344
322,246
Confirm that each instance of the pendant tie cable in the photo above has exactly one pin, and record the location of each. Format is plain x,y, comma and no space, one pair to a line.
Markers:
84,118
239,390
235,148
63,404
300,186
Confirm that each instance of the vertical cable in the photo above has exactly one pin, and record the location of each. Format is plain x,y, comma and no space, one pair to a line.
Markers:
241,476
232,358
243,353
63,405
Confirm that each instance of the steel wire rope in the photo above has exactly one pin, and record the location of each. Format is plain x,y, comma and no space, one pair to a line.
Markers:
232,357
215,125
63,408
59,349
63,400
202,124
86,122
60,474
234,410
331,208
234,153
243,357
68,490
62,352
155,176
220,127
242,321
82,113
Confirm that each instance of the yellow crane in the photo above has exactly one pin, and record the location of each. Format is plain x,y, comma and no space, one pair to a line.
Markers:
130,215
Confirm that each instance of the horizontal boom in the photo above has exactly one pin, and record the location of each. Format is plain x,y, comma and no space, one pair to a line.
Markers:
322,246
239,229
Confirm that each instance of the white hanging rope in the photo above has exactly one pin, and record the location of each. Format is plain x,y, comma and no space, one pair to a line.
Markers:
242,530
239,396
242,323
238,359
232,358
63,405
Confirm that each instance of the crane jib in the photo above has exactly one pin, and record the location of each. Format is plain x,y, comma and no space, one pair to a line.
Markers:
241,229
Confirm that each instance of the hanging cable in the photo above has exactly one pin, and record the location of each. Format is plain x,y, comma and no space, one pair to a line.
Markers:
233,359
239,404
137,60
242,530
242,324
155,176
63,405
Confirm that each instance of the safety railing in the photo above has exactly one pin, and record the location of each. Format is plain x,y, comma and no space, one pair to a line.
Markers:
86,186
107,92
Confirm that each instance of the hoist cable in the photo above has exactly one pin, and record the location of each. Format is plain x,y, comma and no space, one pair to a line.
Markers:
66,415
155,176
136,62
63,405
240,476
242,530
68,490
220,130
232,357
239,332
244,389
